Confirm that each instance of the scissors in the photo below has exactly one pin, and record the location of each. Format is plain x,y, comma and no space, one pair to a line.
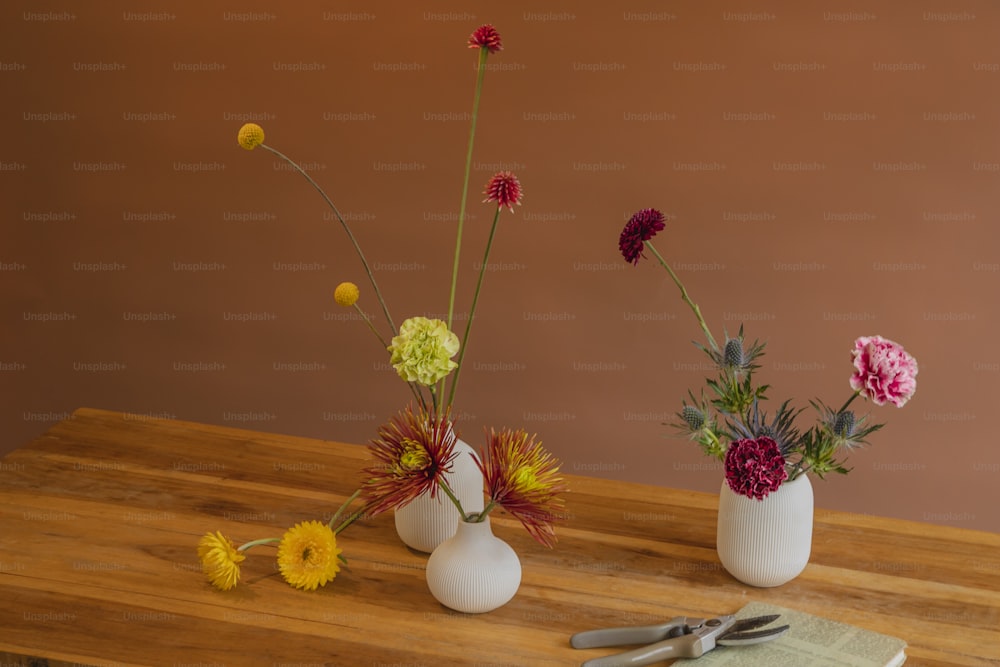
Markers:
681,637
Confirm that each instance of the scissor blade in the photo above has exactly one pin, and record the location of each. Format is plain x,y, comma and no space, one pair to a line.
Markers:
742,624
751,637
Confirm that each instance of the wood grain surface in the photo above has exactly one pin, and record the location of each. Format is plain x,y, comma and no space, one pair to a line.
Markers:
100,518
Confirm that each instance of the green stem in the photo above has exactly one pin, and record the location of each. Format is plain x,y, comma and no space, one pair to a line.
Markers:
684,295
454,499
481,516
472,310
349,520
481,71
350,235
849,401
257,543
417,394
343,507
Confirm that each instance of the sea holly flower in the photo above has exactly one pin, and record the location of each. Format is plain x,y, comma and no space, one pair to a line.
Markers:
346,294
423,350
504,189
220,560
524,479
486,37
250,136
412,453
642,226
755,468
885,372
308,555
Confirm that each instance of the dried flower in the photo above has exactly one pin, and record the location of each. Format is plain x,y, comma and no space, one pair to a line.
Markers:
504,189
220,560
642,226
485,37
755,468
412,453
524,479
885,371
423,350
250,136
307,555
346,294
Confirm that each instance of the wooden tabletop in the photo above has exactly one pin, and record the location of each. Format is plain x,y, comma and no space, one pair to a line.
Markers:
100,518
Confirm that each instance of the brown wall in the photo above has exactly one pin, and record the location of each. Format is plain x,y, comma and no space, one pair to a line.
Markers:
830,170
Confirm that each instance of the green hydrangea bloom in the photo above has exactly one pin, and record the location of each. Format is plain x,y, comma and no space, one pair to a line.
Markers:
423,350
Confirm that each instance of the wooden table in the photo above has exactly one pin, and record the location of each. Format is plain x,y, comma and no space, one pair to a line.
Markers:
100,517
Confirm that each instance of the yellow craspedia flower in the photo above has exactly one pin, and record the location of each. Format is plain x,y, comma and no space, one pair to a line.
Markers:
307,555
251,135
220,561
346,294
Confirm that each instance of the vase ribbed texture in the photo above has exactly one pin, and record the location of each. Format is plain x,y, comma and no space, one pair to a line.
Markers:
766,542
427,522
474,571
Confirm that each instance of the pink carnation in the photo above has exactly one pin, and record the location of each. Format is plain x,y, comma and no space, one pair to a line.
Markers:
755,468
885,371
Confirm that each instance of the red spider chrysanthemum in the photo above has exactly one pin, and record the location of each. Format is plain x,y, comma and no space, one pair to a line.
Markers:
642,226
485,37
504,189
524,479
412,453
755,467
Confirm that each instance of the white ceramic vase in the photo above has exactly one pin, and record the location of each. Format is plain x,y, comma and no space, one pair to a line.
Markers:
427,522
766,542
473,571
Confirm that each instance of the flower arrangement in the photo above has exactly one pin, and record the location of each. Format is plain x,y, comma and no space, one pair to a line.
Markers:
415,450
761,453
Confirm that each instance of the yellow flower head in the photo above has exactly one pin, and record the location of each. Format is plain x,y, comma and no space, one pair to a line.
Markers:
251,135
307,555
346,294
524,479
423,350
412,454
220,561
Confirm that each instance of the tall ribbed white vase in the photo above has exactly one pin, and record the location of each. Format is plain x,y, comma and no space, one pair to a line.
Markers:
427,522
766,542
473,571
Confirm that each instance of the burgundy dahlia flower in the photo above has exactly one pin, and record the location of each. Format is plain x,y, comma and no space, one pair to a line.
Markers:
642,226
485,36
885,371
755,467
504,189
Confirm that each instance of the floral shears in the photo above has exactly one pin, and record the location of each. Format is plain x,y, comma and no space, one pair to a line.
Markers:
681,637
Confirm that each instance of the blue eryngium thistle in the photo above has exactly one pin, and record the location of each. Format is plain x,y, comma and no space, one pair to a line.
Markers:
732,355
843,424
693,417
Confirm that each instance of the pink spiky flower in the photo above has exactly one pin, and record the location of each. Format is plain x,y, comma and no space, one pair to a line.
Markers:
523,478
504,189
486,37
412,453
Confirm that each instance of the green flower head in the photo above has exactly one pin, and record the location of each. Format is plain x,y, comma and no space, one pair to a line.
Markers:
423,350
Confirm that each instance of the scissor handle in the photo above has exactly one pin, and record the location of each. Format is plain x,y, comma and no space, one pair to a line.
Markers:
639,634
684,646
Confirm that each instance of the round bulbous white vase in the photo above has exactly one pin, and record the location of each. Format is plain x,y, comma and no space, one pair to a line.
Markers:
767,542
473,571
427,522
